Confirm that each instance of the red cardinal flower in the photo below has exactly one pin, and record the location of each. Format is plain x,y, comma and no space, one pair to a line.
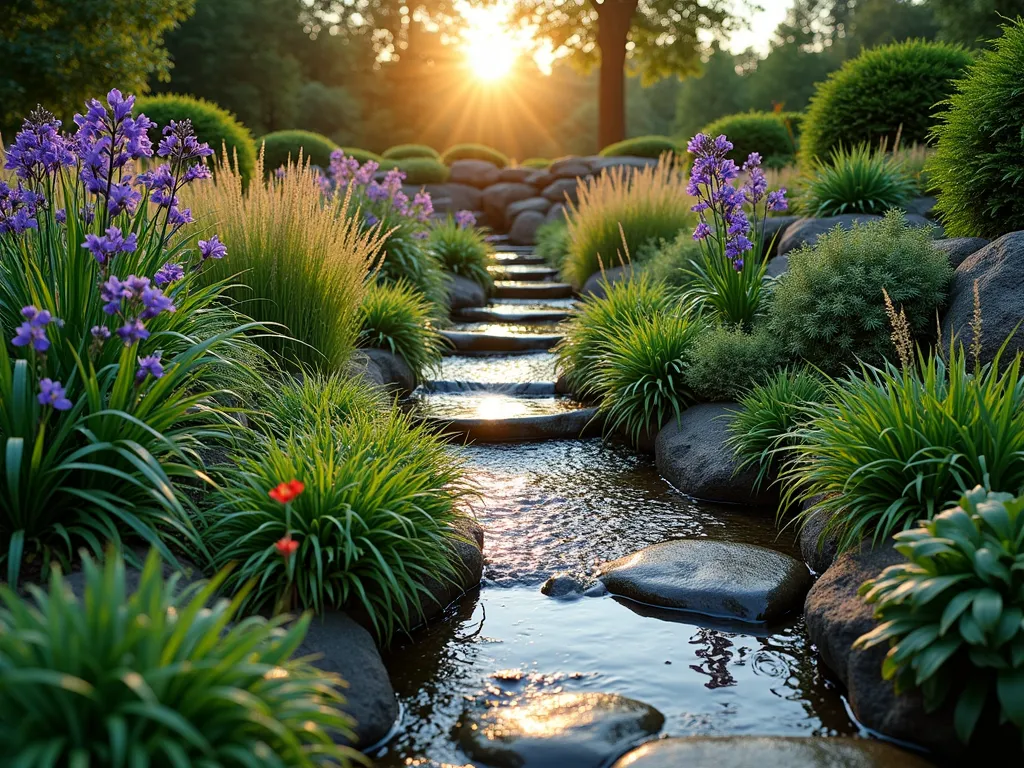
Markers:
286,546
286,492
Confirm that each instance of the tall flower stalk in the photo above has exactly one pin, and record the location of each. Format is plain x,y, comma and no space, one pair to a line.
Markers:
729,279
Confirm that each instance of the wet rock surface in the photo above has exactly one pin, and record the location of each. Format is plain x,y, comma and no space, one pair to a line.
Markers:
597,282
582,730
712,578
463,292
396,375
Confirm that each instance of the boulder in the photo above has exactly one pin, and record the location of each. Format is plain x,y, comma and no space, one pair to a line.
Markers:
818,550
557,730
595,285
714,578
535,204
540,178
560,189
807,231
474,173
959,248
692,455
998,269
774,226
564,585
524,228
343,647
916,220
467,543
463,197
556,212
769,752
396,374
922,206
518,175
778,266
498,197
463,292
570,168
361,366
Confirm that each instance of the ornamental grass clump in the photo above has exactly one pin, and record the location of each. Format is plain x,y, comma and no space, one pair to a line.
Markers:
462,248
371,526
119,341
953,613
857,181
893,445
598,321
620,211
553,242
829,307
727,282
162,675
397,318
302,401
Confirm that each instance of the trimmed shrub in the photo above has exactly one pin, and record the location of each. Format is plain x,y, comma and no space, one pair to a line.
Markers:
620,211
828,307
883,94
553,242
282,147
156,677
372,523
892,446
951,614
462,251
397,317
978,168
761,432
856,181
423,170
540,163
474,152
727,361
763,132
641,146
214,125
405,151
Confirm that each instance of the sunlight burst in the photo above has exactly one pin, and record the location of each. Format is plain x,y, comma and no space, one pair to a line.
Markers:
492,49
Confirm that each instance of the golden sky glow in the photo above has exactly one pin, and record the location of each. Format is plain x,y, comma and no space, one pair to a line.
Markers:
493,48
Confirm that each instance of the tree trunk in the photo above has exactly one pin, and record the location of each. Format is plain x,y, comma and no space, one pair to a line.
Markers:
614,18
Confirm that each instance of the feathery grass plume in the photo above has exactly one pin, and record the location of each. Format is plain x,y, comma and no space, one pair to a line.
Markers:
901,335
648,203
398,318
162,675
892,446
303,262
976,328
856,180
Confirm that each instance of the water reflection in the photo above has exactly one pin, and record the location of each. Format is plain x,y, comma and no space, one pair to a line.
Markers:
488,405
539,366
513,329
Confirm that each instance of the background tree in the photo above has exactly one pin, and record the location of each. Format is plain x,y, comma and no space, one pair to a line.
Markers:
58,53
974,22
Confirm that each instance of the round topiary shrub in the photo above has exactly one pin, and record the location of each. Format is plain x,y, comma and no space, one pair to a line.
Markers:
978,165
763,132
423,170
281,146
474,152
641,146
405,151
216,126
885,92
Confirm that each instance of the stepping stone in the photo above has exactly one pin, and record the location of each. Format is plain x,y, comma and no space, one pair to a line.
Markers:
714,578
562,730
464,342
508,289
559,424
769,752
512,315
524,272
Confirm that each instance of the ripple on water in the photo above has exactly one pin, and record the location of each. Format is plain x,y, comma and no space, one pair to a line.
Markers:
539,366
488,405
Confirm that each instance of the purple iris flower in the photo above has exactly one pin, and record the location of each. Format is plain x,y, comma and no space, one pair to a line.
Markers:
212,248
52,393
149,366
169,273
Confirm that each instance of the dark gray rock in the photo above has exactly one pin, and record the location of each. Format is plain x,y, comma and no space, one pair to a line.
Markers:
570,168
537,204
474,173
596,283
998,269
581,730
463,197
778,266
713,578
517,175
467,545
769,752
774,226
498,197
692,455
463,292
396,374
959,248
563,425
817,548
524,228
361,366
345,648
485,343
561,189
556,212
807,231
540,178
922,206
564,585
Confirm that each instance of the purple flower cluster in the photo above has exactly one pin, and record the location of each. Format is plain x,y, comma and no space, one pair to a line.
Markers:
212,249
18,208
135,301
385,196
169,273
149,366
465,219
39,149
32,332
107,246
52,393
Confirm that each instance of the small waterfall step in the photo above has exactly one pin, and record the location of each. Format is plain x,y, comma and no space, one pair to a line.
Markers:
523,272
467,342
510,313
519,258
514,289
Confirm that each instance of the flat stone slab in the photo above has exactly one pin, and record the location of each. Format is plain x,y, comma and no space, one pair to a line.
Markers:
463,342
554,426
563,730
720,579
514,289
525,316
523,272
769,752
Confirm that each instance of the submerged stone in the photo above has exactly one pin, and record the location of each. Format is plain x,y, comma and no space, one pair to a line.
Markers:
581,730
714,578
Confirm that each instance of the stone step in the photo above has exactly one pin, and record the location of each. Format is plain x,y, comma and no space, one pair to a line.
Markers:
514,289
467,342
519,259
524,272
519,424
508,313
514,388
